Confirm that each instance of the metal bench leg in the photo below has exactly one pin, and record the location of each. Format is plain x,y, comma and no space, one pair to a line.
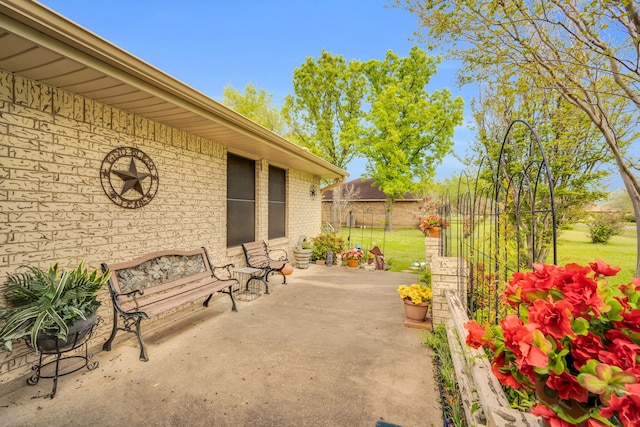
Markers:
107,345
143,349
262,279
284,277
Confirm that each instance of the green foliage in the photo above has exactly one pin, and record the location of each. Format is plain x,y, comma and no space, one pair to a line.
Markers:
255,104
603,227
452,403
325,242
408,131
325,110
583,53
38,300
620,251
425,277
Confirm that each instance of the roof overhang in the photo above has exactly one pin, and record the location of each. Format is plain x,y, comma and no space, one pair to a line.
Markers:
42,45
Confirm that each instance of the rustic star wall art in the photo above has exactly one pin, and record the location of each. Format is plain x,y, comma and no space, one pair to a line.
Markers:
129,177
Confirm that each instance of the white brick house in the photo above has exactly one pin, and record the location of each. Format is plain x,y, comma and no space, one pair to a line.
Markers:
67,99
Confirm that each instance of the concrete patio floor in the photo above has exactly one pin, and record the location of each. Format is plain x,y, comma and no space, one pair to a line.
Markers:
327,349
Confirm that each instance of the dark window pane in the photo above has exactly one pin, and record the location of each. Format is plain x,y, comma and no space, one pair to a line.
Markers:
276,220
277,184
241,184
241,219
277,202
241,178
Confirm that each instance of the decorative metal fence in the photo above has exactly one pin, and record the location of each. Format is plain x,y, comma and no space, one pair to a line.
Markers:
504,220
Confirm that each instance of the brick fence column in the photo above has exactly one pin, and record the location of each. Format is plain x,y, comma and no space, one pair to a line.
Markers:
431,248
447,274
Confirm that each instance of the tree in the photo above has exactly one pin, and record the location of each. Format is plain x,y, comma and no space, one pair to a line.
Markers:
408,130
563,131
325,110
581,50
255,104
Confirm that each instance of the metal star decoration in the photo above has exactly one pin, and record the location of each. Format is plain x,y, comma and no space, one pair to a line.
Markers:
132,179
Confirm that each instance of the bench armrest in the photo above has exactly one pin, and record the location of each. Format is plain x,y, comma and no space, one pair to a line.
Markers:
280,255
223,272
131,294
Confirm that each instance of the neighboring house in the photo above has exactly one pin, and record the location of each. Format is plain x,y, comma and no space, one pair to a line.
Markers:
367,207
81,121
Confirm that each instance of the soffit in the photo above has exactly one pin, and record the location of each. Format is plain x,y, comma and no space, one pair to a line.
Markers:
40,44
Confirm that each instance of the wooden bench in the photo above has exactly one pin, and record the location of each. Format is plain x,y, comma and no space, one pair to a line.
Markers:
269,261
161,281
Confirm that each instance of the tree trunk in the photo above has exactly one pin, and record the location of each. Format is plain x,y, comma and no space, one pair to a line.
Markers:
388,213
336,208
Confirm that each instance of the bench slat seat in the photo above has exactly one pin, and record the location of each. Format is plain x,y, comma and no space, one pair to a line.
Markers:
270,261
161,281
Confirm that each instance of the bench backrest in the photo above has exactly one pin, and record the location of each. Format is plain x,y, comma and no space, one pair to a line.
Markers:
256,254
159,271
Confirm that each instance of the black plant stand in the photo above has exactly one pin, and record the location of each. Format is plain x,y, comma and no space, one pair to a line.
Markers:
60,348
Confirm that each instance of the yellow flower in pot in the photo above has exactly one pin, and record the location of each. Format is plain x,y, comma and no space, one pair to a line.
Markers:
416,298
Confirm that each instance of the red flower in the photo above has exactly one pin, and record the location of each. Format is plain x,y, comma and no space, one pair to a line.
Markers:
584,348
568,387
518,338
627,407
502,370
631,319
552,316
621,352
550,416
602,268
476,337
583,295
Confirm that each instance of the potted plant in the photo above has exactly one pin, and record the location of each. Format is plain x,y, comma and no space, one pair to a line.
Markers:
353,257
325,242
416,298
302,253
432,224
571,340
46,307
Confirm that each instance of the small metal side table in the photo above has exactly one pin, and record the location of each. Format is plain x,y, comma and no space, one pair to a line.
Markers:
249,279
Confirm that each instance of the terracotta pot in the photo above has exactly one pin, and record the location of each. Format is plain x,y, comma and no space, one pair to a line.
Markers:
434,231
416,312
353,263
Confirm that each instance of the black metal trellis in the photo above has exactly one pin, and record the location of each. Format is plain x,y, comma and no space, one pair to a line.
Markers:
500,218
360,224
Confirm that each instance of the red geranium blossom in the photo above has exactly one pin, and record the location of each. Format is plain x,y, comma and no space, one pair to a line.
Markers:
576,330
552,316
627,406
568,387
602,268
476,335
585,347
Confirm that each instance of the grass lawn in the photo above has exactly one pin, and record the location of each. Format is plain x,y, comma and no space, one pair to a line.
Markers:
403,246
574,245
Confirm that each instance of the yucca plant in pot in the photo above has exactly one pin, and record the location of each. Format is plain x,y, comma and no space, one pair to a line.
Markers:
49,308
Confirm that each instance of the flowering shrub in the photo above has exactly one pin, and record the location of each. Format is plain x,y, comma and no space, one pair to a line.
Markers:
430,221
353,253
417,293
577,335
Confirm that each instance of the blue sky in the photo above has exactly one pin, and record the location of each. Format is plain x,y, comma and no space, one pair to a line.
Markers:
208,44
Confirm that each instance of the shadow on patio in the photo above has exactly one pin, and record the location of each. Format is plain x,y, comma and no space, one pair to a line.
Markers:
329,348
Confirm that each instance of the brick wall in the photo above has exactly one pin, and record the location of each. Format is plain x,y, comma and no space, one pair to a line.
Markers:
406,214
52,144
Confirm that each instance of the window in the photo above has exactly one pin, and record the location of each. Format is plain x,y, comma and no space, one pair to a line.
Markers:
241,200
277,202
